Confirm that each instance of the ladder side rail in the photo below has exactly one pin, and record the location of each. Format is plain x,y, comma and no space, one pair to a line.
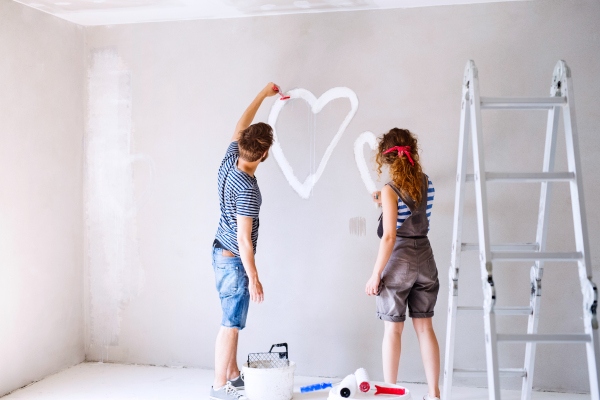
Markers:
588,288
541,236
459,199
485,256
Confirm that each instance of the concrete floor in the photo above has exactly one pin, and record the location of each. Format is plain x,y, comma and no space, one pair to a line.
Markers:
89,381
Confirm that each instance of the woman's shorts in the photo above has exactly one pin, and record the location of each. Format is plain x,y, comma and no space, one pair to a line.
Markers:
410,278
232,284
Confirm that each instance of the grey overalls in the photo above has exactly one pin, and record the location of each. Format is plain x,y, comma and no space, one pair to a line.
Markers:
410,277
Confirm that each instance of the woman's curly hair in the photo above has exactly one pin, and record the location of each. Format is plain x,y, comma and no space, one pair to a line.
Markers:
407,177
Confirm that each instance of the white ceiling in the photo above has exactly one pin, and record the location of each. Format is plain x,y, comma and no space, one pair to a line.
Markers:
108,12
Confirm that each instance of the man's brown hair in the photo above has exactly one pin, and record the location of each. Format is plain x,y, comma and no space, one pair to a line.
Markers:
254,141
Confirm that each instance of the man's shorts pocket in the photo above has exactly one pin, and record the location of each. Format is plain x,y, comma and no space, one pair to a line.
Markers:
227,277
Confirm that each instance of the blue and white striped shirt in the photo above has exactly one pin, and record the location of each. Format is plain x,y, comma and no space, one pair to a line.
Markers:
404,211
238,195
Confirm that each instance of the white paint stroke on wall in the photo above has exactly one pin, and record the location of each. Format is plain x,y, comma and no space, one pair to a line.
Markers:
304,189
114,269
359,155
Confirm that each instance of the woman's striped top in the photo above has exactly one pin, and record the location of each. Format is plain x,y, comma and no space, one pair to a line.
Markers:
404,211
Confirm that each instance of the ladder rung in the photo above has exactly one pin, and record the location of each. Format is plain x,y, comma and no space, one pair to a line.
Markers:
503,247
525,177
504,372
521,103
537,338
536,255
499,310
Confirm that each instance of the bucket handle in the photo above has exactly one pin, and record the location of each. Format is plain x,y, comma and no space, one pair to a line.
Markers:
280,345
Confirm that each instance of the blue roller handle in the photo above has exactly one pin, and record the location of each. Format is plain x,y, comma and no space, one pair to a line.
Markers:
318,386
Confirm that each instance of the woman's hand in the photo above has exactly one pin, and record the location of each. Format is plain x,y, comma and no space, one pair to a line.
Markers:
373,285
376,197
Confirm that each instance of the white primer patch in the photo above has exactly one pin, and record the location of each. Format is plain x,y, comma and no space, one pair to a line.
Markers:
359,155
304,189
112,249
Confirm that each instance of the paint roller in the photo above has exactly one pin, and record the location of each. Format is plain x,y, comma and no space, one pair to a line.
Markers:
275,88
347,387
362,380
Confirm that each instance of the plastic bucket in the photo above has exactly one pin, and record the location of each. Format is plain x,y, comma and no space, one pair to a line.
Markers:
269,383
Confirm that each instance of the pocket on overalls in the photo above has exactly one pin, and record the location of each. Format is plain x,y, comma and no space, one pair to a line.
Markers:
396,276
433,272
227,278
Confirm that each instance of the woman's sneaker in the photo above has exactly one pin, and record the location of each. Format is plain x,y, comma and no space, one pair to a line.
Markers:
227,392
238,382
428,397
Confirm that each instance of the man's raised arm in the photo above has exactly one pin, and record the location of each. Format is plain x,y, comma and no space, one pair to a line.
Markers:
248,115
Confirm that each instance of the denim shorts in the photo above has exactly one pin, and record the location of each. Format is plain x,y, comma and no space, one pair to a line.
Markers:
232,285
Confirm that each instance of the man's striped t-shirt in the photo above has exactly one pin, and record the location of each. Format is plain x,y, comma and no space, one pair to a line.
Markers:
238,195
404,211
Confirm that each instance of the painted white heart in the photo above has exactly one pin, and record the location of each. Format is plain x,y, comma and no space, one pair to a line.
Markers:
304,188
359,155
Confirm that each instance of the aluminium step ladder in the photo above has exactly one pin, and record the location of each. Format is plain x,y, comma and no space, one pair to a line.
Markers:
561,97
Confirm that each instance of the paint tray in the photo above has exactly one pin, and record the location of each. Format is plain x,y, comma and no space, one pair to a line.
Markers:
271,359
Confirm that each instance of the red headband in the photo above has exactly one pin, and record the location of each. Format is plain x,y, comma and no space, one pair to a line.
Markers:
401,150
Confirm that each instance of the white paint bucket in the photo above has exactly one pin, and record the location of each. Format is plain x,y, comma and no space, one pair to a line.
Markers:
269,383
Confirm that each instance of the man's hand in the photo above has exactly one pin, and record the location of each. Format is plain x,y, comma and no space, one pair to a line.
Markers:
373,285
256,291
250,113
271,89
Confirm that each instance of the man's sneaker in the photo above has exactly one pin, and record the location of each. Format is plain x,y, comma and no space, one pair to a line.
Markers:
227,392
238,382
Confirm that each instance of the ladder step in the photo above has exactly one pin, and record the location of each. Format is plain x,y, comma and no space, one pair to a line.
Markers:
521,103
537,338
536,255
503,247
504,372
525,177
499,310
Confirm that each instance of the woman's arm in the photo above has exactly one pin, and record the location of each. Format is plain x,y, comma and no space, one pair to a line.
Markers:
389,201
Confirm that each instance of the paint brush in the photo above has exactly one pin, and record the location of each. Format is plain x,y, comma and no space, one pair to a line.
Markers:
275,88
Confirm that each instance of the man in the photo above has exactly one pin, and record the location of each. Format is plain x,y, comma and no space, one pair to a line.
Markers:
235,243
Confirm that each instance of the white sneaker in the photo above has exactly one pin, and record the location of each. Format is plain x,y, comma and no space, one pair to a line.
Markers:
227,392
427,397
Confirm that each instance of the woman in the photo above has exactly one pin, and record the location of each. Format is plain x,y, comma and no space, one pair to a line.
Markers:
405,273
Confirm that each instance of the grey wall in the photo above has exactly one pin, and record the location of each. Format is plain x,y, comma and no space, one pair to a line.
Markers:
41,130
190,82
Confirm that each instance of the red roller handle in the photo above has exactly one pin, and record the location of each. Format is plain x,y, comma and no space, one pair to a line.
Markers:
389,390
